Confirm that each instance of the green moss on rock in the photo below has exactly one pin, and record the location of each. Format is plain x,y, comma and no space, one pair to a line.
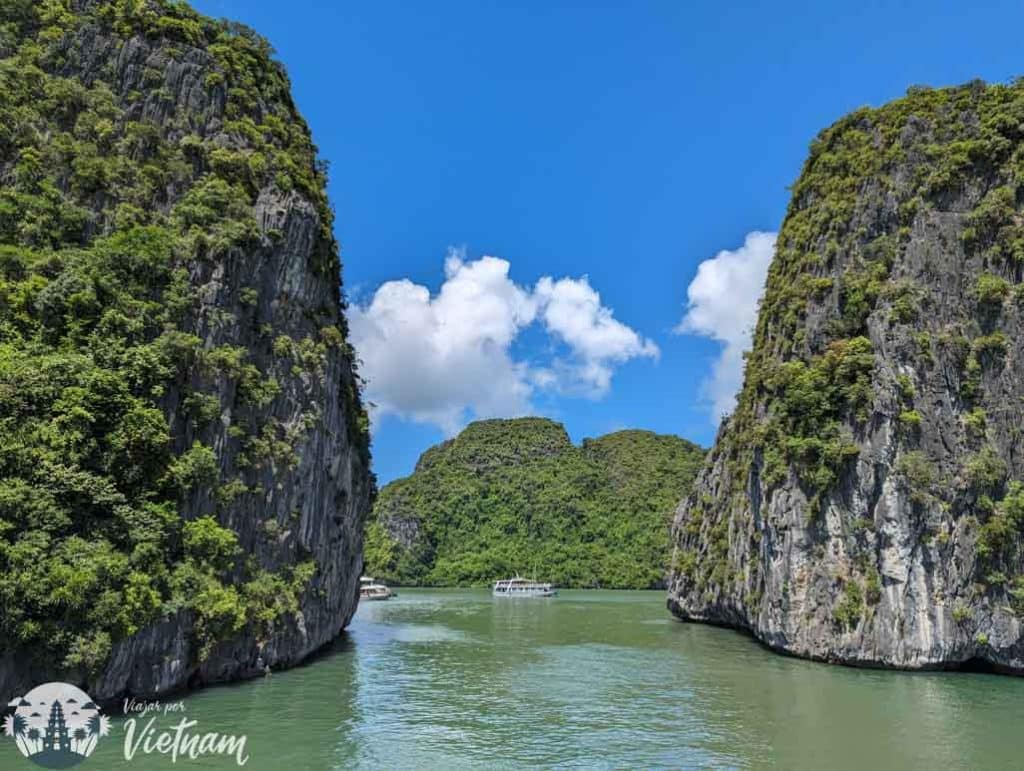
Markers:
115,199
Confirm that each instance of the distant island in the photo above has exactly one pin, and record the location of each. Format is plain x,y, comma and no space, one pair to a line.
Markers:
516,495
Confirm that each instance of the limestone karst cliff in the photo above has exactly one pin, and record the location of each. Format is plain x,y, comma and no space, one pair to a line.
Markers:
863,503
184,462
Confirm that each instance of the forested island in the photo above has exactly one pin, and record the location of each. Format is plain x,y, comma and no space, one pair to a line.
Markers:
864,502
517,495
184,455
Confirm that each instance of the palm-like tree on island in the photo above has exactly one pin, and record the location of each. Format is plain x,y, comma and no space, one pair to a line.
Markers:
15,725
36,738
80,736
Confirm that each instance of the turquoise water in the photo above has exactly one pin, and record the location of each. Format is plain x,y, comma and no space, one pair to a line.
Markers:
591,679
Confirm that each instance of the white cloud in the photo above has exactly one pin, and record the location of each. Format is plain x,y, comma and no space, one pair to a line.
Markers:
723,302
446,358
573,313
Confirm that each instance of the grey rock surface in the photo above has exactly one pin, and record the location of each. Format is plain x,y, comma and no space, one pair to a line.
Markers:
775,557
307,505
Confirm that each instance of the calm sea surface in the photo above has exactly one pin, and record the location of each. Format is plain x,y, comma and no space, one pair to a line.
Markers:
591,679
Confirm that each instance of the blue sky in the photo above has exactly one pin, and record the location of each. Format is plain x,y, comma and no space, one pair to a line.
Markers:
625,142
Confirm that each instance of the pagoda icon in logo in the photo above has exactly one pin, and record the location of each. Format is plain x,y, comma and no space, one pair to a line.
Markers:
56,725
56,738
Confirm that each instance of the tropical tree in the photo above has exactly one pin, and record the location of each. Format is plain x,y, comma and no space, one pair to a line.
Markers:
15,725
36,738
98,725
80,736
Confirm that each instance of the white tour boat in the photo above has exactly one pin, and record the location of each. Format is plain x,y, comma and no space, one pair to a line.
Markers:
371,590
522,587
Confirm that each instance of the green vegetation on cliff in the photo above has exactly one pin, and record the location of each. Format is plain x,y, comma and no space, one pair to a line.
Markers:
885,367
114,197
516,495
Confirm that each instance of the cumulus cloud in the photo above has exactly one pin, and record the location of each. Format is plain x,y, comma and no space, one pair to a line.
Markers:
446,358
723,301
572,312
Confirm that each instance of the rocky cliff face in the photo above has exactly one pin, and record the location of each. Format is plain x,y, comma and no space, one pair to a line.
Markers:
516,495
185,472
862,504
